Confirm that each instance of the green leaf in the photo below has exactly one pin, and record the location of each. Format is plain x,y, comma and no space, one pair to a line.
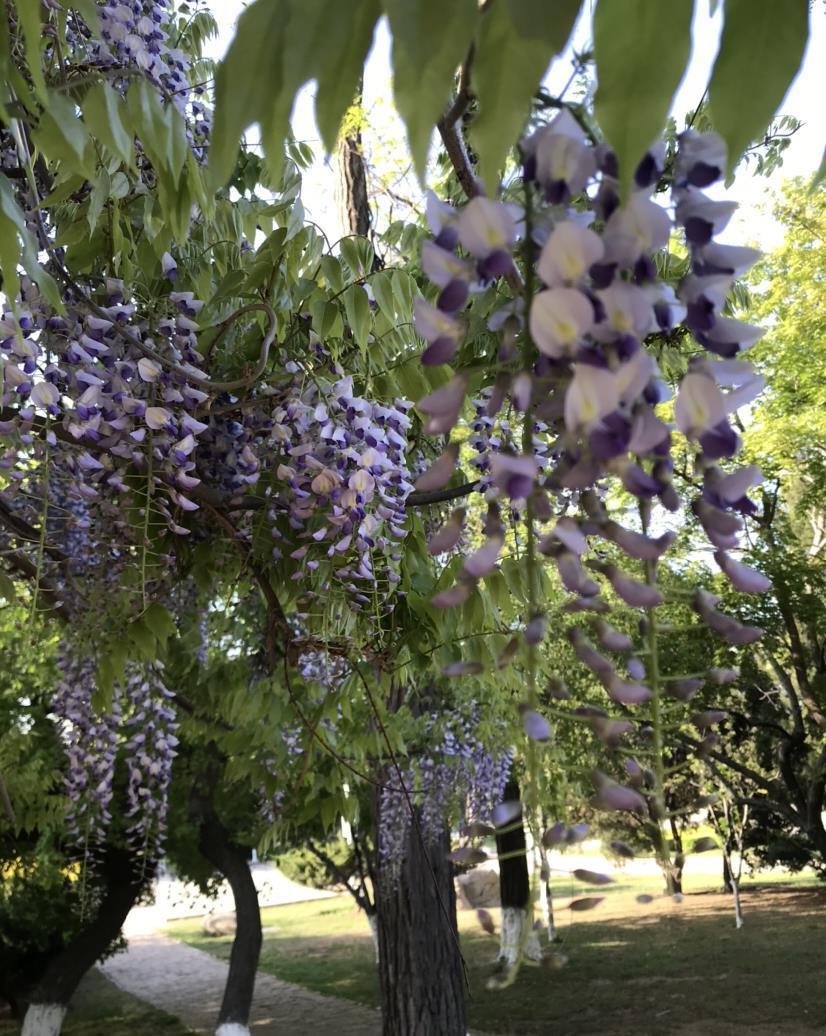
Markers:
119,187
760,51
11,226
331,271
7,589
350,28
144,639
515,44
357,309
61,134
28,14
351,256
160,622
431,39
383,294
404,290
327,321
97,199
641,50
102,109
251,67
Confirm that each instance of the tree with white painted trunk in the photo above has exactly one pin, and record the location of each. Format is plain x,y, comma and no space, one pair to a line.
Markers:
124,877
518,938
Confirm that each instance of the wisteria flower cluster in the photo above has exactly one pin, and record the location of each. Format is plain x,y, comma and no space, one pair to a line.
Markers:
150,749
459,775
343,469
137,36
73,378
91,744
140,727
575,353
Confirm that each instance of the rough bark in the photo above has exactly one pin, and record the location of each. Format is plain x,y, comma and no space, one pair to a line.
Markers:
124,876
674,873
216,846
351,187
420,967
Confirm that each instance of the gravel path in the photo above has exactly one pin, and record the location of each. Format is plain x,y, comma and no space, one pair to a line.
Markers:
189,983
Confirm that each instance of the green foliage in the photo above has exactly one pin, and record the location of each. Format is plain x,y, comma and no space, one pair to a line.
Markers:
349,28
641,52
788,429
42,906
760,52
515,44
430,40
276,49
102,109
302,865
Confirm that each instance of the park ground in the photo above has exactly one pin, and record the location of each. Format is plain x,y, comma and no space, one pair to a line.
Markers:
658,968
647,969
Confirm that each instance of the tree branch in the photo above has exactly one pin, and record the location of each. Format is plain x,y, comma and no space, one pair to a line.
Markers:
440,496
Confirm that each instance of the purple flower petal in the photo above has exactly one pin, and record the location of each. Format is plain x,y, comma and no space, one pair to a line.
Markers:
440,471
611,639
514,475
536,727
462,669
506,813
555,835
613,796
627,693
452,597
632,591
592,877
443,405
484,559
742,577
449,535
585,903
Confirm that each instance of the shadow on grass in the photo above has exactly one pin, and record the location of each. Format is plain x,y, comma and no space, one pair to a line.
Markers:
655,969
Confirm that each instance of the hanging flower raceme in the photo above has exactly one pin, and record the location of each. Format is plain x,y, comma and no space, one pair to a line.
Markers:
90,740
342,481
139,728
598,301
459,775
150,748
573,407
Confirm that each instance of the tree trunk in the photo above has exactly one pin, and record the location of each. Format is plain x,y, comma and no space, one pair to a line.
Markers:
420,967
373,921
728,880
216,846
674,874
351,185
515,890
124,877
546,898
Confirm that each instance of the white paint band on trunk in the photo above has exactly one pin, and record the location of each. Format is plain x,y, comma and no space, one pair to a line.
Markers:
43,1020
232,1029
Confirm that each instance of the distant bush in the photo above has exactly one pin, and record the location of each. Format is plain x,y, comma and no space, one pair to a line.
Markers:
43,905
302,865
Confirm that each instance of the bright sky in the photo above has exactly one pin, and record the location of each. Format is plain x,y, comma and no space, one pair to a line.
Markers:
753,224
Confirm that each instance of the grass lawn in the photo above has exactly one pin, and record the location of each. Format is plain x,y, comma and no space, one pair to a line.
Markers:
654,969
99,1008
